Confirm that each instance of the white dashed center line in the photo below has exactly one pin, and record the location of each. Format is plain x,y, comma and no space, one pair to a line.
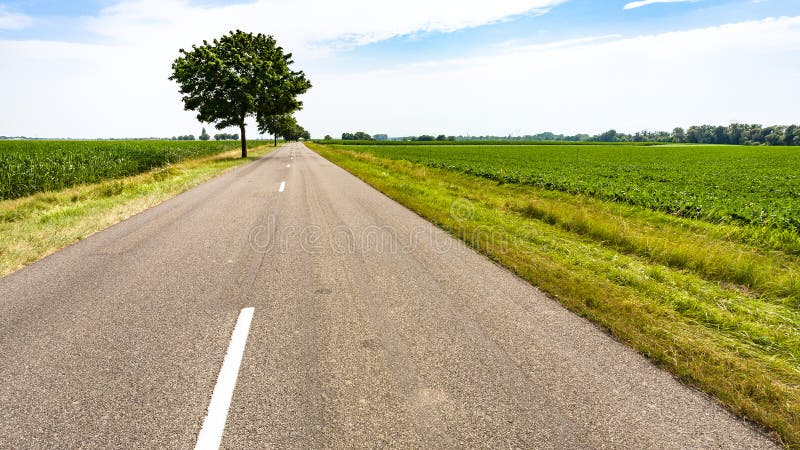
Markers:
282,186
210,435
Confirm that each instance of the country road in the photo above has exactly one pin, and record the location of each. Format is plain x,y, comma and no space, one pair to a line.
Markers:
369,327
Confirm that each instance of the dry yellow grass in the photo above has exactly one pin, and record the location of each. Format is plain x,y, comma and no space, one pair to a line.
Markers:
652,280
36,226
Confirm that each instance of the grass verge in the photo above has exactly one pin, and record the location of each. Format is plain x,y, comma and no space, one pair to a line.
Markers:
721,314
35,226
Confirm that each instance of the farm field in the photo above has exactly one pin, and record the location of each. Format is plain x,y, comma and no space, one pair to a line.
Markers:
722,184
27,167
647,242
36,225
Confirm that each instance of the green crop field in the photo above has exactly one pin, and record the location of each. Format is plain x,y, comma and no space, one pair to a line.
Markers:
27,167
729,184
689,254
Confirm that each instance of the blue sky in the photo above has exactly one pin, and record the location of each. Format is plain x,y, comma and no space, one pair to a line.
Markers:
405,67
575,19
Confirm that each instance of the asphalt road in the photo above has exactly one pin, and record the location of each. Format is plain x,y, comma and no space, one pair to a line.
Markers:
370,328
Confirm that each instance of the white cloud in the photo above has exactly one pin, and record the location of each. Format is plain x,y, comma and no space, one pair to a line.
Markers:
745,71
304,24
12,21
639,4
121,89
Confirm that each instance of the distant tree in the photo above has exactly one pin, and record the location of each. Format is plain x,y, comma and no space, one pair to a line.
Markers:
204,136
441,137
357,136
678,135
284,126
277,125
775,136
294,132
791,135
425,137
608,136
237,76
696,135
735,133
720,135
328,137
226,136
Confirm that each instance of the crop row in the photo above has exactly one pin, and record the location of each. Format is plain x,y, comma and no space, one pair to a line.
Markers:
729,184
27,167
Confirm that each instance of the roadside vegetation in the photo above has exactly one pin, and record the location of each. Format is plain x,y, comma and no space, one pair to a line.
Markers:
714,298
28,167
721,184
734,133
35,226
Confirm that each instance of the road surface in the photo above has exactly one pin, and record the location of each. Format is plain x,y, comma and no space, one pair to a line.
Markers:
369,327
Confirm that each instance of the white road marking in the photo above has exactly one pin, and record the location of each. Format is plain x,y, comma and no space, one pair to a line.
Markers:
282,187
210,435
288,165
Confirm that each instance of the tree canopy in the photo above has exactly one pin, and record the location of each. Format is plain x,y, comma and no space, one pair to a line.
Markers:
284,126
357,136
238,76
734,133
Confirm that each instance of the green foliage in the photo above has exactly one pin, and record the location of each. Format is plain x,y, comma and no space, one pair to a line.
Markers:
477,142
27,167
204,136
357,136
738,185
226,136
284,126
735,134
237,76
719,313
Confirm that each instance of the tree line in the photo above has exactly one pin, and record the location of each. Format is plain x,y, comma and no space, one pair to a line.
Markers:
284,126
362,136
205,137
735,134
226,137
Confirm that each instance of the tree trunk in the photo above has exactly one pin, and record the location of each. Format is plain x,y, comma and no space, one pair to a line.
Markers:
244,141
276,140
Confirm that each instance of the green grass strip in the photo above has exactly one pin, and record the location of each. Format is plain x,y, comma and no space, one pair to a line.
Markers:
35,226
719,312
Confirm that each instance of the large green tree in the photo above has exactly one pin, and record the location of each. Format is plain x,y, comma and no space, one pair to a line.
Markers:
238,76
